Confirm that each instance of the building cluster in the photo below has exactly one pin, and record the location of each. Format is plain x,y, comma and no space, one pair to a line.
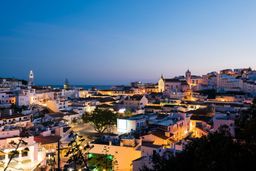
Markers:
152,117
163,121
38,116
228,80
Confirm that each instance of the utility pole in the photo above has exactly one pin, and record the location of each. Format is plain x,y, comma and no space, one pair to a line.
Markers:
59,169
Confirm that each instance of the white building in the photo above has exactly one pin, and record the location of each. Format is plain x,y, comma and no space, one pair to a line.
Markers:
172,85
28,157
249,87
135,102
229,83
10,83
22,100
130,124
16,120
70,93
7,98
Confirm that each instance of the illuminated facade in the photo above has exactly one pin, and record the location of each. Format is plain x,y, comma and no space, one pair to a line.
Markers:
123,154
135,102
130,124
27,158
199,128
172,85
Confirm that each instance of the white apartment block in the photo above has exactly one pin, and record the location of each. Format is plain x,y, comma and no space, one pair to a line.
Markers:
229,83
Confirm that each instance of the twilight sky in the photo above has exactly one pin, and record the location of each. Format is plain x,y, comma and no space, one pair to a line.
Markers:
118,41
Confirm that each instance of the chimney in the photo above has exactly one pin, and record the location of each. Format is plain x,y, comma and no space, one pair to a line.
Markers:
59,131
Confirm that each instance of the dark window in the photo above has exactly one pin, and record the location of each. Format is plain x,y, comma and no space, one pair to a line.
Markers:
24,152
2,156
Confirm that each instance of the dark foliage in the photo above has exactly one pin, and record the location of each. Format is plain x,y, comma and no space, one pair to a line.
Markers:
101,119
217,151
76,152
211,93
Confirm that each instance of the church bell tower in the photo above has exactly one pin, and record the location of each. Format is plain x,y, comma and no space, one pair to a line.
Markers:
188,77
31,79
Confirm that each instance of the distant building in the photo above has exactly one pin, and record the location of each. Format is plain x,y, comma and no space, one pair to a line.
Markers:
252,75
135,102
180,84
15,120
11,83
137,84
172,85
118,90
7,98
227,82
194,81
249,87
66,84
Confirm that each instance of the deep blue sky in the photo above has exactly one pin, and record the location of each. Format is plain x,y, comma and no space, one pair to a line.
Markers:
114,42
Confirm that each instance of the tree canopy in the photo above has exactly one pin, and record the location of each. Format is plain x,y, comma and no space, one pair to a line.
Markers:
101,119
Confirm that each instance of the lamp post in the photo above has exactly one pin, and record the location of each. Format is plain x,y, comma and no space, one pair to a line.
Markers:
59,155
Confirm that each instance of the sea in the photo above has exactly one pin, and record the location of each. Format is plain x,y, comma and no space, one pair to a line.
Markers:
86,87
